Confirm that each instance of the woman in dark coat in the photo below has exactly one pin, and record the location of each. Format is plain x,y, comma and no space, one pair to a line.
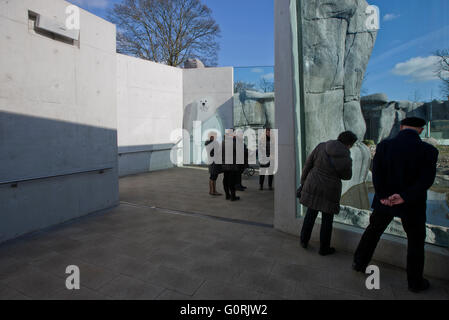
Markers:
326,166
230,169
214,169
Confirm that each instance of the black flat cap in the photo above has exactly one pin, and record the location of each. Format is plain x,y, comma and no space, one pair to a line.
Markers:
414,122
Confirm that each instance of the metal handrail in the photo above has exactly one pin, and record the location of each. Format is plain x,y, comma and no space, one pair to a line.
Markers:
144,151
152,150
16,181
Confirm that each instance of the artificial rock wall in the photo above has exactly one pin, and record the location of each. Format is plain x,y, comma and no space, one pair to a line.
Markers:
337,46
383,117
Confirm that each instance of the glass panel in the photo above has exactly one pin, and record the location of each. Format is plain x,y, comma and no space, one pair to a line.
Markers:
254,97
364,68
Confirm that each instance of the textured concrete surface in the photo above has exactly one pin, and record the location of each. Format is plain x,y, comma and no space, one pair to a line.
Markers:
187,190
57,116
136,252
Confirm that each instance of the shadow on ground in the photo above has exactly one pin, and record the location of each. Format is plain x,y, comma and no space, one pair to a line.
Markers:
138,252
186,189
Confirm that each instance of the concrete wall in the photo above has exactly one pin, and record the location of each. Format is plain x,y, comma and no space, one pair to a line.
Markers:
208,97
149,108
57,117
285,102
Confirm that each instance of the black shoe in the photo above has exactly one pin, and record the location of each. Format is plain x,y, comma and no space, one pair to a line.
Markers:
358,268
304,244
228,197
261,188
235,199
423,285
239,188
327,251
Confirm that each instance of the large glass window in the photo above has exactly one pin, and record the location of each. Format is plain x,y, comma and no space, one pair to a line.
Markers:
254,97
365,67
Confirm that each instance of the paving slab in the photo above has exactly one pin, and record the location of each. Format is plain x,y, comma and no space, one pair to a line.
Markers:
137,251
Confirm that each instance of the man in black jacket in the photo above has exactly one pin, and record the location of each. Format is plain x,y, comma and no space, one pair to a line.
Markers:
404,168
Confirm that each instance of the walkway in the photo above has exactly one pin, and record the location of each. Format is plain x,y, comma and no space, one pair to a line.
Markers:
138,252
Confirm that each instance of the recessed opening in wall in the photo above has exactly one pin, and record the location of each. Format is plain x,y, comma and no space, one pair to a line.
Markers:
53,29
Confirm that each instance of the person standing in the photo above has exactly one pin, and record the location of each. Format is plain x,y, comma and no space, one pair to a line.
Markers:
404,168
266,140
214,169
324,169
230,168
241,142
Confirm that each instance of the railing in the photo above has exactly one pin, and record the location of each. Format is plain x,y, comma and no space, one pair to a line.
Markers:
14,183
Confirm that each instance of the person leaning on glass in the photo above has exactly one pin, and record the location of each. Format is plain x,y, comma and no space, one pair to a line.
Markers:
321,186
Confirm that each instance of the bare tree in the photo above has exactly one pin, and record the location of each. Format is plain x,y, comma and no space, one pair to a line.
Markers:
266,85
240,86
166,31
443,70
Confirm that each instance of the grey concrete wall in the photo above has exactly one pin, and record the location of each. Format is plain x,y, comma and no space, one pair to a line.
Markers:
149,109
285,179
208,97
57,118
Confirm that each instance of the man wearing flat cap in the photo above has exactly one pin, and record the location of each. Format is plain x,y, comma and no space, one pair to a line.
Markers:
404,168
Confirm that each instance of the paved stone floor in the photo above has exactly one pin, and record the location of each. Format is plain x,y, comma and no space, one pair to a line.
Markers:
138,252
187,190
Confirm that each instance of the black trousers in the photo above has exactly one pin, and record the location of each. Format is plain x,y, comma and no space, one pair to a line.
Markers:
414,226
262,180
326,227
230,179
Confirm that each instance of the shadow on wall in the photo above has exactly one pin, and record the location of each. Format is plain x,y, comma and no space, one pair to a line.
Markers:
144,158
53,171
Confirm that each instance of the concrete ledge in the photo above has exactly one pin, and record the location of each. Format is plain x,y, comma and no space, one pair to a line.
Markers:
391,249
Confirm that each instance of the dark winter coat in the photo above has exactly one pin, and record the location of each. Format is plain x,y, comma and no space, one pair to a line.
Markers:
234,166
404,165
324,169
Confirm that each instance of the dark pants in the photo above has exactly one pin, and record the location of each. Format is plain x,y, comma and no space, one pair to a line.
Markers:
414,226
262,180
239,178
230,179
326,228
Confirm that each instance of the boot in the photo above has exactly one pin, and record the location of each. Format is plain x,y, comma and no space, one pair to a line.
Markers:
211,187
420,286
233,196
326,251
214,189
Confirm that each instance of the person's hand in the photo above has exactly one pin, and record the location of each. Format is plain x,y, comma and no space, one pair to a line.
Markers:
396,199
386,202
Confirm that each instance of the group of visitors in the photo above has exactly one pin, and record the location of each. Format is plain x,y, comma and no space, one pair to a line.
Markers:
404,168
232,167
